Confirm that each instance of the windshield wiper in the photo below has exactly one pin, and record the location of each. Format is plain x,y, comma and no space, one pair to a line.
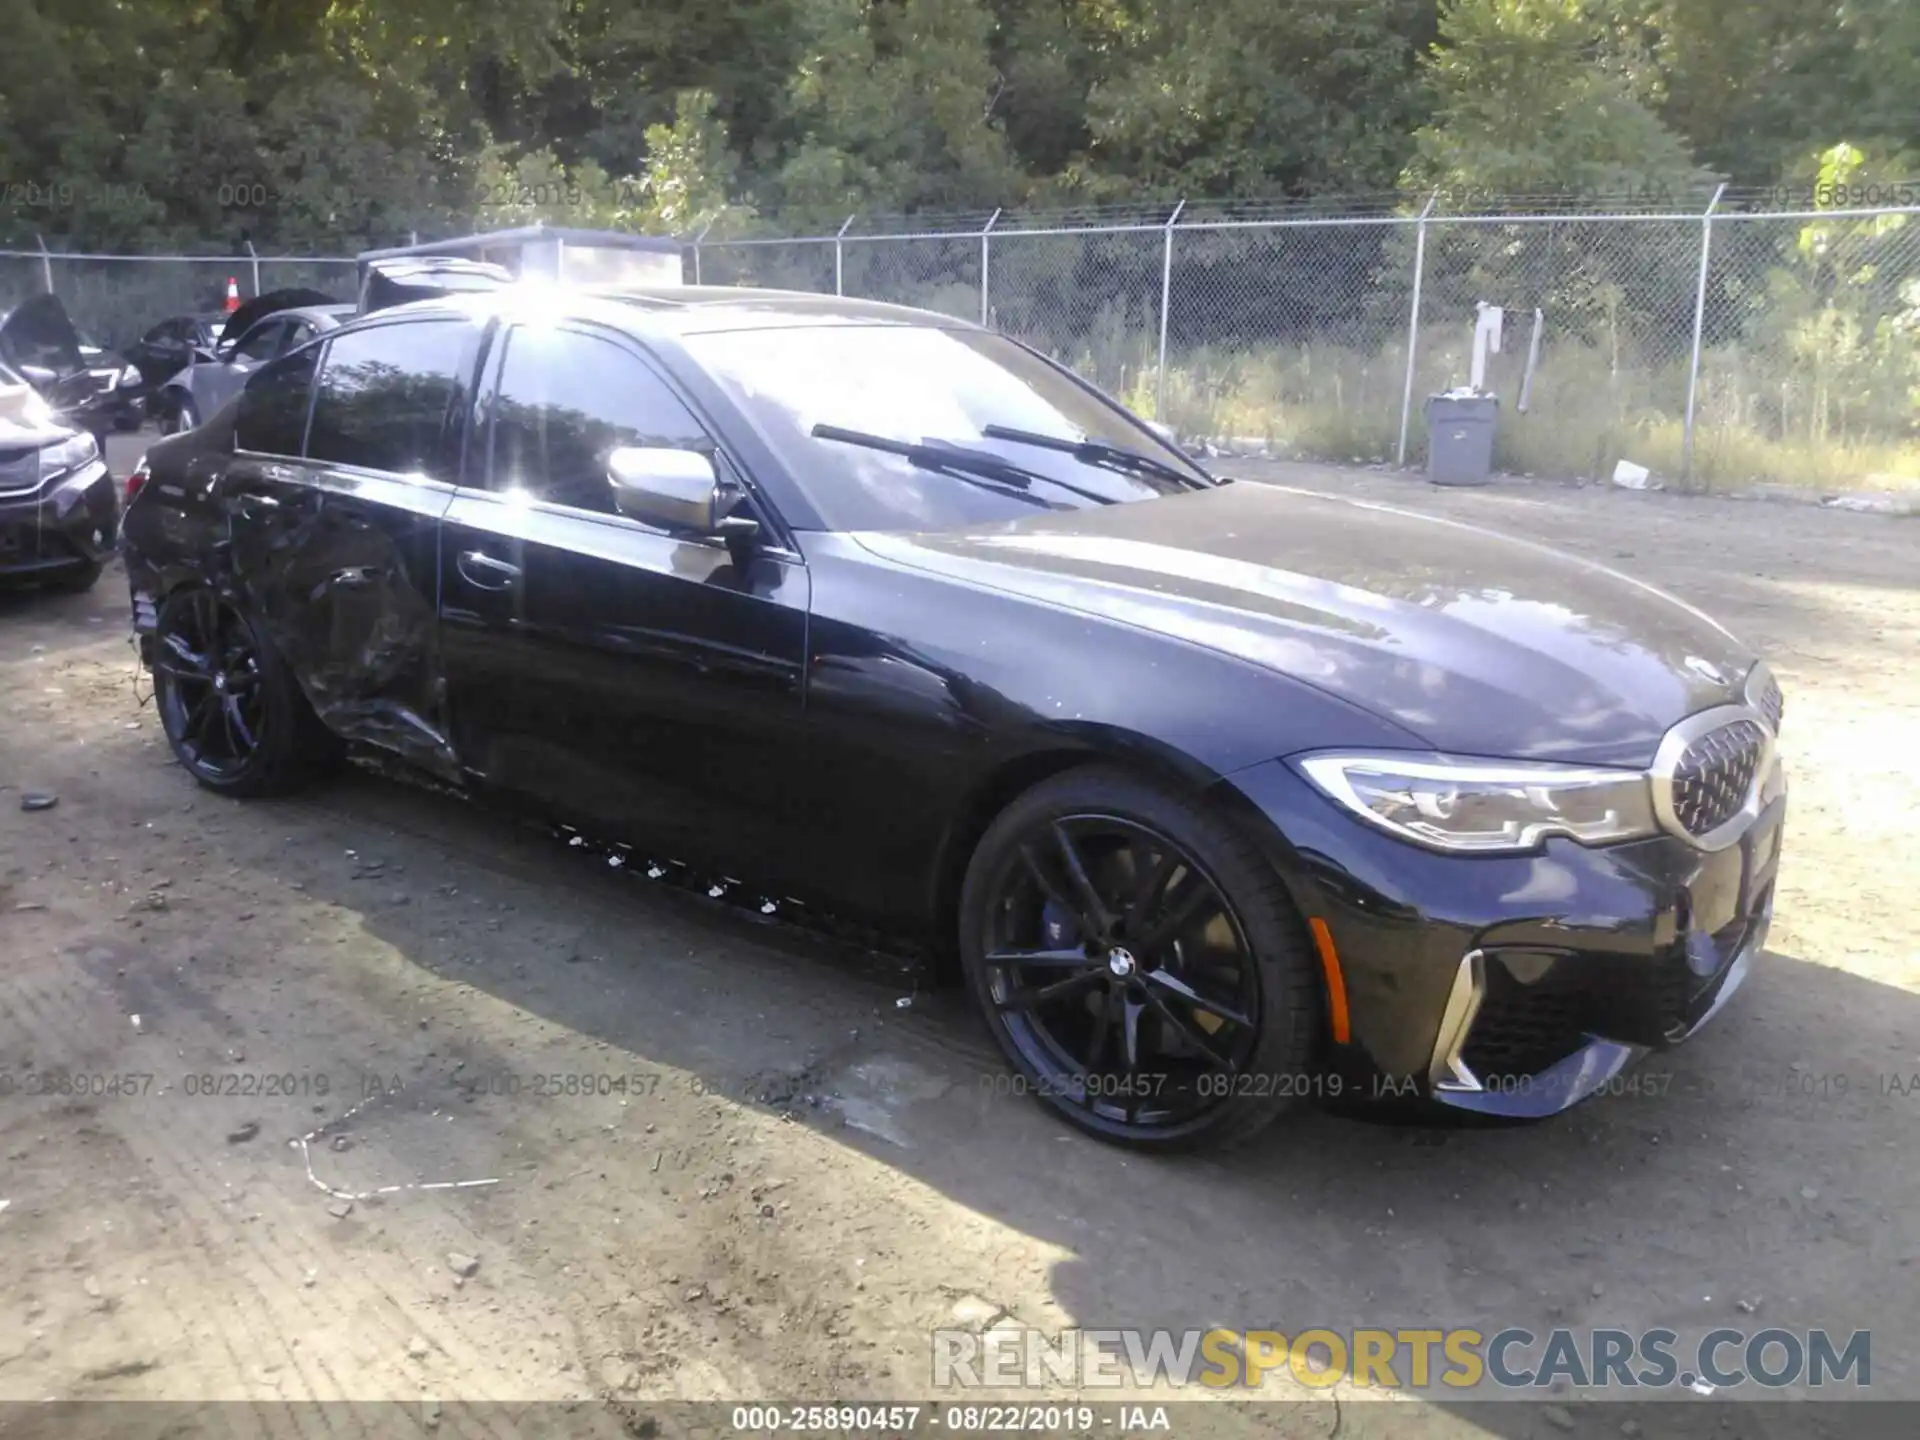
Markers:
973,466
1096,452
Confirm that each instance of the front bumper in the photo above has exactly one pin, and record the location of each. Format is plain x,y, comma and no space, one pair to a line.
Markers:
69,521
1515,985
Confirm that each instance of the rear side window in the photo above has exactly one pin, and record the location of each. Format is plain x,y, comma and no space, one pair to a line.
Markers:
565,400
273,407
384,394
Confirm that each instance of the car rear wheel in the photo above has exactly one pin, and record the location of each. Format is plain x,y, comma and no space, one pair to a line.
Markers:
1141,966
233,713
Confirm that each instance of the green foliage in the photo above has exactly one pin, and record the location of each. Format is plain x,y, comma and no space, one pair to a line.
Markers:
1242,97
1543,96
150,124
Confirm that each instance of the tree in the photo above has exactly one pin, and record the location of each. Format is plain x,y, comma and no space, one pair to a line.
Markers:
1759,85
891,106
1254,97
1536,96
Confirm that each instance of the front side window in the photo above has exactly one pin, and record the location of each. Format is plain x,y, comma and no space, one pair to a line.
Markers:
262,342
564,402
384,394
273,407
920,385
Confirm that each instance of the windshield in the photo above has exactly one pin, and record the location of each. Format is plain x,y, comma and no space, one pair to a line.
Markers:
925,385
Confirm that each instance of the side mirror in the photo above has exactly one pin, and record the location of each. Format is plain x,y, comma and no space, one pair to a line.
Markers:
39,376
679,490
673,489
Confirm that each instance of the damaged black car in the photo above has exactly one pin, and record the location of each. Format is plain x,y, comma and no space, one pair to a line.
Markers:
87,386
1224,797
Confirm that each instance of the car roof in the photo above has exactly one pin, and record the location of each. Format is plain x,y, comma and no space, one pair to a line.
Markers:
679,309
314,312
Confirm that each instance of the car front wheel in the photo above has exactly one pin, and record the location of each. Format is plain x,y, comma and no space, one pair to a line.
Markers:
181,416
233,713
1144,970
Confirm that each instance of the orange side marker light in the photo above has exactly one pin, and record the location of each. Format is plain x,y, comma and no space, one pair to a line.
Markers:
1336,982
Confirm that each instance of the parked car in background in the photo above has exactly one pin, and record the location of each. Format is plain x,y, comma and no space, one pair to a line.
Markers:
1224,796
59,508
261,330
86,386
117,382
171,346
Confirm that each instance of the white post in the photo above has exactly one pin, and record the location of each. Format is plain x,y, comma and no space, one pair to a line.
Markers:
1413,325
985,259
840,257
1699,322
46,262
253,259
1166,303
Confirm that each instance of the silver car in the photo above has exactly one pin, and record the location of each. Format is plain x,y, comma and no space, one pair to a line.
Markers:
263,328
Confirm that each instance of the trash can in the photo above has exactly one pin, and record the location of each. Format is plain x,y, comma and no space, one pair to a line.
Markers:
1460,428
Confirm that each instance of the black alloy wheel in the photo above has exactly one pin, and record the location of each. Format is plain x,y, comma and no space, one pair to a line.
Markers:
1141,967
232,711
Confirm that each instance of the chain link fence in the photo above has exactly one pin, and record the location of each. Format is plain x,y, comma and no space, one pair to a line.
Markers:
1719,343
1723,340
115,299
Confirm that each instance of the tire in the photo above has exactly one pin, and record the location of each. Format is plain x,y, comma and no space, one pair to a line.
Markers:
232,711
181,416
1113,821
75,581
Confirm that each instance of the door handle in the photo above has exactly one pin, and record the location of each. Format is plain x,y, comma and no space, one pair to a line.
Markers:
481,569
252,504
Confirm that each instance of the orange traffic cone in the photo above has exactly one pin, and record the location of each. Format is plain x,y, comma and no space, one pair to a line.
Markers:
233,294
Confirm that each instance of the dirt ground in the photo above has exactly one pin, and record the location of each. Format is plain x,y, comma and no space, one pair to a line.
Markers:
802,1176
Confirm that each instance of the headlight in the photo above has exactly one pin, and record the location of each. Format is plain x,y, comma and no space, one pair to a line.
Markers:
1483,806
68,454
129,375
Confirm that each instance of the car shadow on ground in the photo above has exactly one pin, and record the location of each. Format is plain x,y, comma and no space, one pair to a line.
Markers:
1708,1194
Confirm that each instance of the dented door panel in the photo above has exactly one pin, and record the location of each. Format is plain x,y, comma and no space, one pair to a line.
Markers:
342,567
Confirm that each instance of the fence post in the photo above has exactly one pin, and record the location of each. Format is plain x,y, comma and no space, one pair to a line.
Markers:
46,262
253,259
696,246
1166,303
985,259
1413,325
1699,324
839,257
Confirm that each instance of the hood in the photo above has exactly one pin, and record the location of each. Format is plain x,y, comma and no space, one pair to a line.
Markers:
1477,643
26,422
290,299
39,334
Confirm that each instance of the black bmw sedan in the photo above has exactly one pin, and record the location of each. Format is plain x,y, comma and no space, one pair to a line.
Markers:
1225,796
